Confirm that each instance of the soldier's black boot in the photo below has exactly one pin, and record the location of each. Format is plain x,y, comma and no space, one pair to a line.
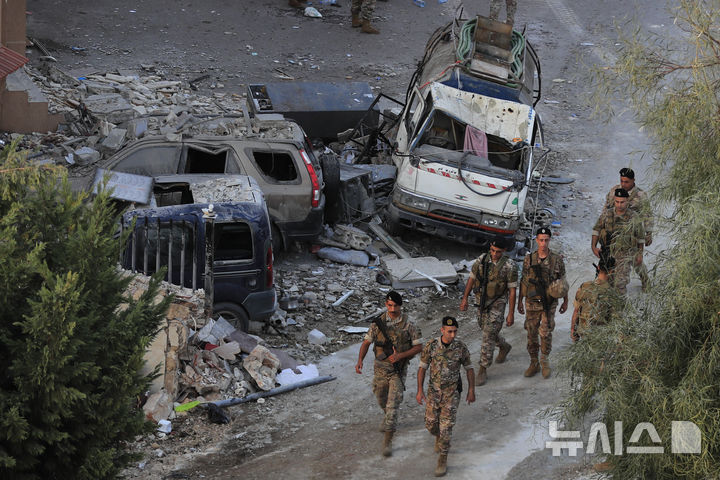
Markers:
387,444
441,468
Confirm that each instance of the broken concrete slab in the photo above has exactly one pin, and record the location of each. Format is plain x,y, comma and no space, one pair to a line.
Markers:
227,351
110,106
352,257
288,377
352,237
115,139
86,156
262,366
403,274
388,240
248,342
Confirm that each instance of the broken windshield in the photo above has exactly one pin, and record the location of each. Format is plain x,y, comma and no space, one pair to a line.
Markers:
447,140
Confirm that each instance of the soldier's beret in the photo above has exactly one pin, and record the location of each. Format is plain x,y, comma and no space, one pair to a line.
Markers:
627,173
449,322
621,193
543,231
394,296
498,243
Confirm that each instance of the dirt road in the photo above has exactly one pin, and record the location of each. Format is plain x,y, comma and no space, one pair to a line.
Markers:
330,431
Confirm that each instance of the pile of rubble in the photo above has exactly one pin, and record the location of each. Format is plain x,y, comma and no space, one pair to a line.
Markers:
105,112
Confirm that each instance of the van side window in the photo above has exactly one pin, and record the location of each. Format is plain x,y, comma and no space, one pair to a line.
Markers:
204,161
278,166
233,241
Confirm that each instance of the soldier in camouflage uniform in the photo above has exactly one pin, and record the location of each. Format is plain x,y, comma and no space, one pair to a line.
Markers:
541,267
621,233
637,202
593,300
390,370
442,358
494,280
511,7
362,11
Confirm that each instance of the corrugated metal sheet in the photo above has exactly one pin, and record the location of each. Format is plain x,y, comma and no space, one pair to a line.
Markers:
10,61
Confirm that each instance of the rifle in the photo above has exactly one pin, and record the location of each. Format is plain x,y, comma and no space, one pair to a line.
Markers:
483,283
539,283
388,347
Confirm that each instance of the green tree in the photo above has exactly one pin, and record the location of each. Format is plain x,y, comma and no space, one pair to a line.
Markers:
70,341
659,360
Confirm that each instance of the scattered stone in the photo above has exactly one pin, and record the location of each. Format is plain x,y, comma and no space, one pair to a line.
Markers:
262,366
316,337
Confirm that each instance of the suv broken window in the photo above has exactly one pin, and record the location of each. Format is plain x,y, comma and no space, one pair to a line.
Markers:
278,166
205,161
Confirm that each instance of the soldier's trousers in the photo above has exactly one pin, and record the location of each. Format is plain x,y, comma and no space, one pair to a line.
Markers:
511,6
388,389
621,277
364,7
491,323
537,325
440,413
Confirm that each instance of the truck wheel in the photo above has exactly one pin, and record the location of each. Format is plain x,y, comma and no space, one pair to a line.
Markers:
393,227
234,314
331,175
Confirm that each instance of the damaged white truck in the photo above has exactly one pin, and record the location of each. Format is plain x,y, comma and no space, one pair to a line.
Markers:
467,135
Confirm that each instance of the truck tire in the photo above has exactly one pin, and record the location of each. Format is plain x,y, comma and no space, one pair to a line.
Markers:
233,313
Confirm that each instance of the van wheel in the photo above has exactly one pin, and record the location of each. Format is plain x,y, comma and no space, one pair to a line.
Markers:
234,314
331,176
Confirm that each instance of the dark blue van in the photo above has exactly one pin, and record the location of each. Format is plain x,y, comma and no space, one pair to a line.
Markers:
172,232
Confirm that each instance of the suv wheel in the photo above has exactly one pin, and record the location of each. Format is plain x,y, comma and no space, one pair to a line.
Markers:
331,176
234,314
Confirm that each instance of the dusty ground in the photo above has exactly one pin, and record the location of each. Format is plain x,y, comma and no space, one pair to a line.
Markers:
330,431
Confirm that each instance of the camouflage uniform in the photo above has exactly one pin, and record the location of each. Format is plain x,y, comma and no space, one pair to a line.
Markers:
637,202
510,5
442,363
502,276
388,386
594,301
553,268
624,233
363,7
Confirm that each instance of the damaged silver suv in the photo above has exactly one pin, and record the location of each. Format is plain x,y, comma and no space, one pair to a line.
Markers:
276,153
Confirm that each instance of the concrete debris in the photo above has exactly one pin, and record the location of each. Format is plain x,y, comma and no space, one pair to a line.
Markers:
349,329
352,236
288,377
342,299
262,366
164,426
404,275
316,337
158,406
353,257
227,351
86,156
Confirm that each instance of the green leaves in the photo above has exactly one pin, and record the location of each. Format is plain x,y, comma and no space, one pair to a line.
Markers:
71,356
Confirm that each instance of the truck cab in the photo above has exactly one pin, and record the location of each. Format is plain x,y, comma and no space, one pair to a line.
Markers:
466,140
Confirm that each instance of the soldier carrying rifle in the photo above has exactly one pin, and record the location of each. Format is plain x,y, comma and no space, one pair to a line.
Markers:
396,340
